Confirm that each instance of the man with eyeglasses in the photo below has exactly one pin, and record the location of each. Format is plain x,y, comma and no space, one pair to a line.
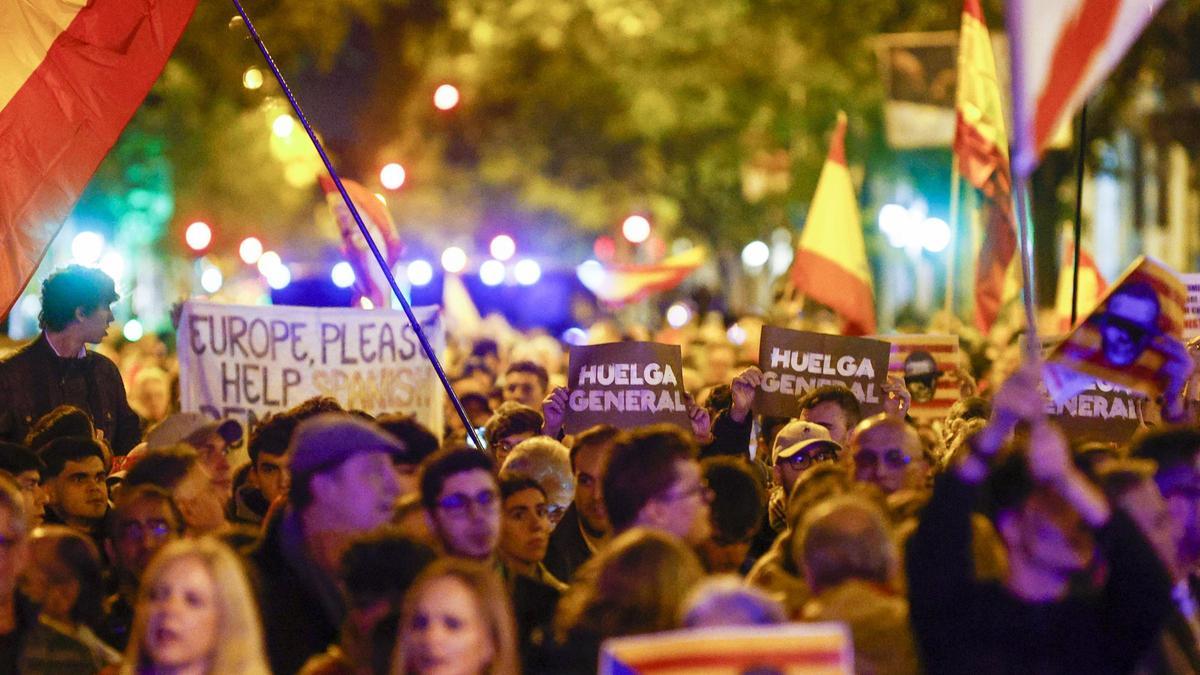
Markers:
342,486
652,479
887,454
462,501
143,520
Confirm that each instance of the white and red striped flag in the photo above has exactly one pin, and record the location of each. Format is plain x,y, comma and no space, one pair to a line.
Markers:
1061,51
72,73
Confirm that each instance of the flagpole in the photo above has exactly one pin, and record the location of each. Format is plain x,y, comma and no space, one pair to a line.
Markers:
951,257
1024,241
362,227
1078,211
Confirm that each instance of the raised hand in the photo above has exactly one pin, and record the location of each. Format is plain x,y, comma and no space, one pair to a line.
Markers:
554,409
898,401
744,386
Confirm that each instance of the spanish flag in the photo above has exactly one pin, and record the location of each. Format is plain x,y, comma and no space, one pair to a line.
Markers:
981,146
831,260
72,73
624,284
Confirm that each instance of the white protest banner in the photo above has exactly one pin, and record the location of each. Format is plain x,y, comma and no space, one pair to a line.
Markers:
244,362
1191,310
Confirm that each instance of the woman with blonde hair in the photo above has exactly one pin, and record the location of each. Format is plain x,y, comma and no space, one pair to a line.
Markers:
635,585
456,620
196,615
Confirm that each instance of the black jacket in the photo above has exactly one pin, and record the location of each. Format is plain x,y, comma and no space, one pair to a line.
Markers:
301,610
35,381
967,626
567,551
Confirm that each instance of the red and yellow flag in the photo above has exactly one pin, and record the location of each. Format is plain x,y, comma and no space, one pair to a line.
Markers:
981,146
831,261
72,73
623,284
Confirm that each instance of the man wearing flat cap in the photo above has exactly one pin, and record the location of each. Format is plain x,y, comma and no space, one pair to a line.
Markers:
342,486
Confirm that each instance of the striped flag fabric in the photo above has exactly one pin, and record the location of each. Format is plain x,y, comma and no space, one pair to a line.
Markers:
909,359
369,280
1091,286
1061,51
831,259
72,73
1117,341
622,284
981,147
788,649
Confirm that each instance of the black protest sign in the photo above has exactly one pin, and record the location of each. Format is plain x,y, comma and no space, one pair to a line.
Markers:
795,362
625,384
1103,413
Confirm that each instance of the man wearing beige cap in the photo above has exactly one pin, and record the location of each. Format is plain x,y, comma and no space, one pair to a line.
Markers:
343,486
790,458
210,438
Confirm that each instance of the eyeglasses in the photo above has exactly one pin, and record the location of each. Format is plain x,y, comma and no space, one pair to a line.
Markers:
702,490
805,459
894,458
458,504
136,531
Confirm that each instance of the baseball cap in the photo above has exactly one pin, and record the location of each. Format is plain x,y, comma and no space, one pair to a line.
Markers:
809,445
323,442
191,427
796,431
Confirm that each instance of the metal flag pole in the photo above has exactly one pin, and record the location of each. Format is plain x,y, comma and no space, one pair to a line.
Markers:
362,227
1025,246
1078,212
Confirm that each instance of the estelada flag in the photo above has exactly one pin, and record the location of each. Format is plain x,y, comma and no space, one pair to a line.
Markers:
71,76
1117,341
929,365
621,284
1061,51
831,260
369,280
790,649
981,146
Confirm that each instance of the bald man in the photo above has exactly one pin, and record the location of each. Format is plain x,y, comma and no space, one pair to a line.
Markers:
887,454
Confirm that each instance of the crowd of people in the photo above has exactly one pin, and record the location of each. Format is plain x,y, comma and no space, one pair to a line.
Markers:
135,538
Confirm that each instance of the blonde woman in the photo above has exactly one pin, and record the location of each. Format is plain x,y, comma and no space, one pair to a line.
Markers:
196,615
457,620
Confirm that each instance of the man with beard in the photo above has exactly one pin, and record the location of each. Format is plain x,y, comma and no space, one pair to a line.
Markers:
584,527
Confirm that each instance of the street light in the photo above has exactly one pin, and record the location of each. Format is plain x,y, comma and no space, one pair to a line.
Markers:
250,250
527,272
445,97
87,246
756,254
454,260
198,235
420,272
392,176
636,229
342,275
491,272
503,247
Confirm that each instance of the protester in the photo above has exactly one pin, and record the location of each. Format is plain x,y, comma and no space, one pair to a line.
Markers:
196,614
635,585
652,479
548,462
887,454
18,615
271,479
343,486
850,562
24,467
418,442
210,438
64,578
57,368
377,570
456,619
75,483
512,423
1046,513
527,383
584,527
64,420
179,471
143,520
725,601
525,528
738,506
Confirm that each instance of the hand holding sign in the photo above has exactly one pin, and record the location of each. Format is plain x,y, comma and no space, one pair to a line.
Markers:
554,409
898,400
625,384
745,385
